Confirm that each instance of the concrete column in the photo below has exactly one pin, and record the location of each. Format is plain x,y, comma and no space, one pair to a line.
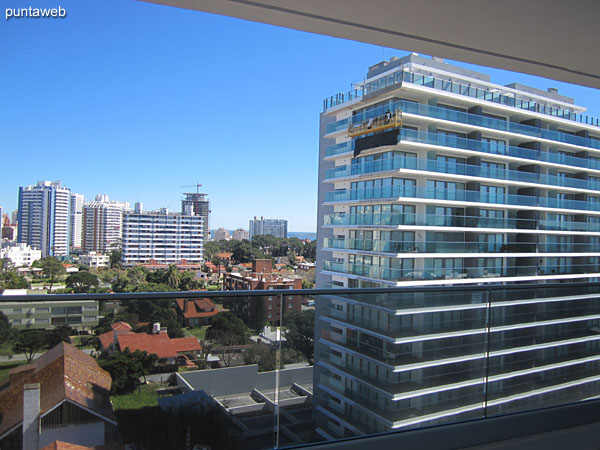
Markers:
31,412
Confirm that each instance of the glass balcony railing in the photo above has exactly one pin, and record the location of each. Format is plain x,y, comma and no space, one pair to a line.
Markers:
498,149
498,198
387,246
459,270
338,148
451,115
402,162
436,220
373,360
487,94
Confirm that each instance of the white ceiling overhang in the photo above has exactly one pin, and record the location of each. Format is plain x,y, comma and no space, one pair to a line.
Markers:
547,38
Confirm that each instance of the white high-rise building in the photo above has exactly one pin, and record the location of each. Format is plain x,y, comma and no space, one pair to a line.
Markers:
432,175
103,224
164,237
43,217
76,220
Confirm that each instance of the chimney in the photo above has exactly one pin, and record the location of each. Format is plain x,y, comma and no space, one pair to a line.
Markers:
156,328
115,339
31,412
163,330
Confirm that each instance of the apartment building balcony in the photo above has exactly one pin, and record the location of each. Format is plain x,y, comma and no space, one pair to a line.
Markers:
459,246
487,194
472,121
397,163
396,220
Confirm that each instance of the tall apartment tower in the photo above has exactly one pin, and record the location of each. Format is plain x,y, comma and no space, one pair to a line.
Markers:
103,224
164,237
273,227
76,221
201,207
430,174
44,217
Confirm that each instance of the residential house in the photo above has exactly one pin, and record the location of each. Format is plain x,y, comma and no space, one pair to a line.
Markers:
193,312
61,396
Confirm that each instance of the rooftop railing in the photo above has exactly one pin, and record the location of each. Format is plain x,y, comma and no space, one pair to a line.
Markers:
488,94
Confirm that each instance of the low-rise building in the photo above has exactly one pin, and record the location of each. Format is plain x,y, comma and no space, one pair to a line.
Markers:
262,277
49,314
61,396
19,254
194,312
225,257
94,260
169,351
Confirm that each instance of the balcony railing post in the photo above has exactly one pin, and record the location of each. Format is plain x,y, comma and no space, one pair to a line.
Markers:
488,325
277,368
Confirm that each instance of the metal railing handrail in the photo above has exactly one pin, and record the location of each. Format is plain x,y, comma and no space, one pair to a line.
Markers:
492,286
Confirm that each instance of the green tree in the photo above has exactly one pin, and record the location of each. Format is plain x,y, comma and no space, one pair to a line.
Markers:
147,360
124,369
58,335
300,333
263,356
82,282
12,280
52,268
257,314
309,250
31,342
114,259
137,275
227,330
226,326
173,276
6,332
6,265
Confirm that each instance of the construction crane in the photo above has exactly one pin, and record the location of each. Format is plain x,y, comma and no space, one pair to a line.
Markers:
197,185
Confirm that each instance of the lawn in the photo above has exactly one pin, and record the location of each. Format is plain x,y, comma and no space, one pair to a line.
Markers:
142,397
76,341
5,368
199,332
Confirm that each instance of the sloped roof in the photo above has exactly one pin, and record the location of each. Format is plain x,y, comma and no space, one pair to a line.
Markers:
160,344
60,445
121,326
106,339
196,307
64,373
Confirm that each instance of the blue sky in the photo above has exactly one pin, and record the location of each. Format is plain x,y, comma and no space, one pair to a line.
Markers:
135,100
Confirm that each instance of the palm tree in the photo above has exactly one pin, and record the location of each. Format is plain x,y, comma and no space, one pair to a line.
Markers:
173,276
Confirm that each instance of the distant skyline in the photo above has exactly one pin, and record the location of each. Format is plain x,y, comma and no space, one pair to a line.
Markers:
136,100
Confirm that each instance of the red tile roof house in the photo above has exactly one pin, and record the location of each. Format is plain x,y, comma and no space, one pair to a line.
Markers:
61,396
194,312
169,351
